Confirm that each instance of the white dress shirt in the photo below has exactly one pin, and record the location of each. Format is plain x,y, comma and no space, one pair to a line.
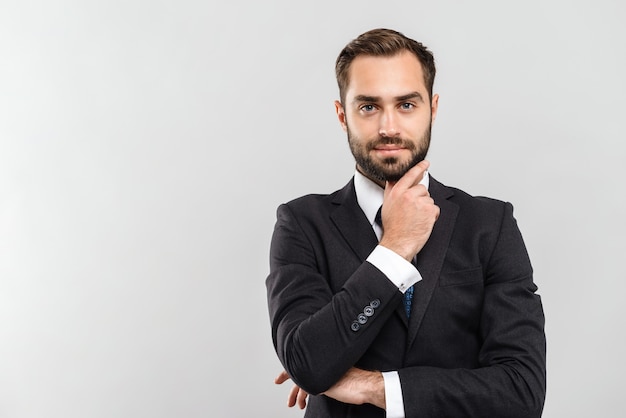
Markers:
398,270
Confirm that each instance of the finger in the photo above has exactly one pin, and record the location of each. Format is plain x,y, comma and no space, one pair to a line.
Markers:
293,396
302,395
414,175
410,178
281,378
388,188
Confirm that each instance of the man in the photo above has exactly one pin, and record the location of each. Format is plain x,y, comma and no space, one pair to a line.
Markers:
426,308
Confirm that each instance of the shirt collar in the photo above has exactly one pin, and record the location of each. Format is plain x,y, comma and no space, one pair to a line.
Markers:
369,195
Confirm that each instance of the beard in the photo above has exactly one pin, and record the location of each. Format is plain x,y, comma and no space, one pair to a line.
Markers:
389,169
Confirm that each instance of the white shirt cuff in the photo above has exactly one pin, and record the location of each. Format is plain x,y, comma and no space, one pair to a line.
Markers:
401,273
394,403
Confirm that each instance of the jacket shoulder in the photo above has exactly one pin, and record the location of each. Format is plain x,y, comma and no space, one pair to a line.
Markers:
315,201
469,201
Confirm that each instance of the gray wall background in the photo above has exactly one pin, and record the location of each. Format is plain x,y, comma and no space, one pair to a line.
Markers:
144,147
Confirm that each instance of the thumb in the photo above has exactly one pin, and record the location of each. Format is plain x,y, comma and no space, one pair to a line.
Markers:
281,378
388,187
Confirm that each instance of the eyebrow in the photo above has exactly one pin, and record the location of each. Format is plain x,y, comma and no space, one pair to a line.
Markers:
413,95
375,99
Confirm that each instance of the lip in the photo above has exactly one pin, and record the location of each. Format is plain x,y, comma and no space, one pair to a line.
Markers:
389,149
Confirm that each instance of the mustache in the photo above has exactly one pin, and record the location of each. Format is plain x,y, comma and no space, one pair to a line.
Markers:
384,140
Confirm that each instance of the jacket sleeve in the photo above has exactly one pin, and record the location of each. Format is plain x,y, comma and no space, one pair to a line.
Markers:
319,334
511,379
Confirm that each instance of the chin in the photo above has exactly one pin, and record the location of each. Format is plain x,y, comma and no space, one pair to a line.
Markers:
394,174
393,177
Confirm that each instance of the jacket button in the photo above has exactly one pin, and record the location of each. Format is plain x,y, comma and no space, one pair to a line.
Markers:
362,319
355,326
368,310
375,303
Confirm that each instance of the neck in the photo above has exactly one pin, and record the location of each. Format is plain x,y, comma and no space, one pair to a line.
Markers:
381,183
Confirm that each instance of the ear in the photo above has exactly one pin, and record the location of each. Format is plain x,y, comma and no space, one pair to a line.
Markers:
434,105
341,115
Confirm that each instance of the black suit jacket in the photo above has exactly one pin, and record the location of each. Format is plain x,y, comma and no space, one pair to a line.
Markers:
474,345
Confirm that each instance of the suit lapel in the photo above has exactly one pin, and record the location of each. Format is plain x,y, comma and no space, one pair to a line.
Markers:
430,258
352,223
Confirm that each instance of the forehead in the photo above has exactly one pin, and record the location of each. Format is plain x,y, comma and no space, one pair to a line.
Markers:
379,76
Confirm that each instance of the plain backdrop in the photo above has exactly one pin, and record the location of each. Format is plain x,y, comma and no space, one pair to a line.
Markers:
145,146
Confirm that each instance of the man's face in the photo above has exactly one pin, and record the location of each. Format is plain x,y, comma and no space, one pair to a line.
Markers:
387,115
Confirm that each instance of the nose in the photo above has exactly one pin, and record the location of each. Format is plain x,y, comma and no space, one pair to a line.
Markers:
388,125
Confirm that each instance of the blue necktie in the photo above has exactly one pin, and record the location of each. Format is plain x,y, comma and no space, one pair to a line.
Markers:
408,295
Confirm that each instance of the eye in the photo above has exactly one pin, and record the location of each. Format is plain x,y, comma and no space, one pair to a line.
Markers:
407,106
367,108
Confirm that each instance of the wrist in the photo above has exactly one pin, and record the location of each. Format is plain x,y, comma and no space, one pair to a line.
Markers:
406,253
376,390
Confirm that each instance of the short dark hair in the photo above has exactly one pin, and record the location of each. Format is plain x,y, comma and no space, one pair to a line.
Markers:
383,43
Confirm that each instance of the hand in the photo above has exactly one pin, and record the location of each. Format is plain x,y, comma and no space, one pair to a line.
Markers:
409,213
295,395
359,386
